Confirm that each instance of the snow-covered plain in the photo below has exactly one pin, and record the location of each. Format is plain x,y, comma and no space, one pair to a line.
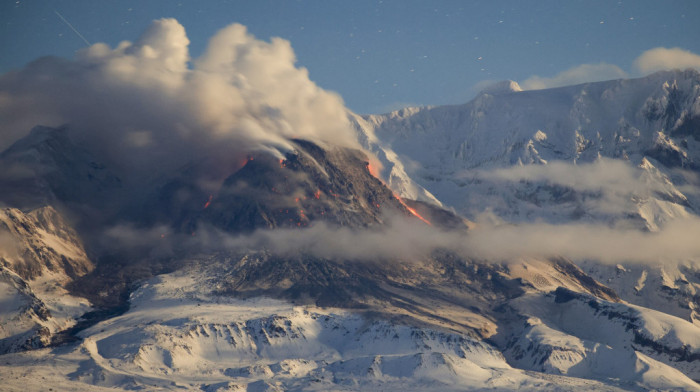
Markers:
178,335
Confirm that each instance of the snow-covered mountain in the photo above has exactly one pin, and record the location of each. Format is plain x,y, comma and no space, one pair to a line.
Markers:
47,167
451,151
306,269
621,153
40,255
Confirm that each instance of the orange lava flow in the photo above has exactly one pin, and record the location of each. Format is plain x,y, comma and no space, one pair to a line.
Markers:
413,211
244,162
372,170
208,201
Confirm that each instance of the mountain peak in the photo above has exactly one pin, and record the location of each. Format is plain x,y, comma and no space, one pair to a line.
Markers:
47,166
39,136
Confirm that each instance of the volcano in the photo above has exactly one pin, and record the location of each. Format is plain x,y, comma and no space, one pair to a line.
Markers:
308,267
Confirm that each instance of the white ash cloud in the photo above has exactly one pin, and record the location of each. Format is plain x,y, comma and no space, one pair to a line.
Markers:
146,105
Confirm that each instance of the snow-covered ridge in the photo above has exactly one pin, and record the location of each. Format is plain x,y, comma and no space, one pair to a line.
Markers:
583,328
650,123
611,118
40,254
41,241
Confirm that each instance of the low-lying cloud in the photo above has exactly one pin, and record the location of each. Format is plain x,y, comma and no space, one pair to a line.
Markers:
619,189
146,105
407,240
603,174
410,242
611,187
676,242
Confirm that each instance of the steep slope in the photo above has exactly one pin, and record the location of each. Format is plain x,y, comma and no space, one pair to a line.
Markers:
46,167
40,255
311,183
392,168
673,288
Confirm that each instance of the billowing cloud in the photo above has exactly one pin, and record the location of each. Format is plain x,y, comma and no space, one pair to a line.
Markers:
147,105
583,73
658,59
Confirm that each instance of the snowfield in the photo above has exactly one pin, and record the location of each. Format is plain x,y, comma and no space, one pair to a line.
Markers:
178,336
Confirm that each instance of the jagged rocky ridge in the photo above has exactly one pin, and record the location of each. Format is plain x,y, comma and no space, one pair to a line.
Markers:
41,254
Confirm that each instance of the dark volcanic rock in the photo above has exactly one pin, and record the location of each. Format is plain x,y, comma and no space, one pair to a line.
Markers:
333,185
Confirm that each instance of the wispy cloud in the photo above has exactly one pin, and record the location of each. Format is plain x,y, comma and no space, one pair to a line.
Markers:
405,240
652,60
674,243
605,174
583,73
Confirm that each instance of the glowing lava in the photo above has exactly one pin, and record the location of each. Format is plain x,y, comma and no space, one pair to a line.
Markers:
208,201
413,211
372,170
244,162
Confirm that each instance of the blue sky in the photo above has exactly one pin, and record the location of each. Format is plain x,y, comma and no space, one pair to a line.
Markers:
380,55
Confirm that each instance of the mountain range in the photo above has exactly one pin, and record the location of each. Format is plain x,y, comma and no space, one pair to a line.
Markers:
524,240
